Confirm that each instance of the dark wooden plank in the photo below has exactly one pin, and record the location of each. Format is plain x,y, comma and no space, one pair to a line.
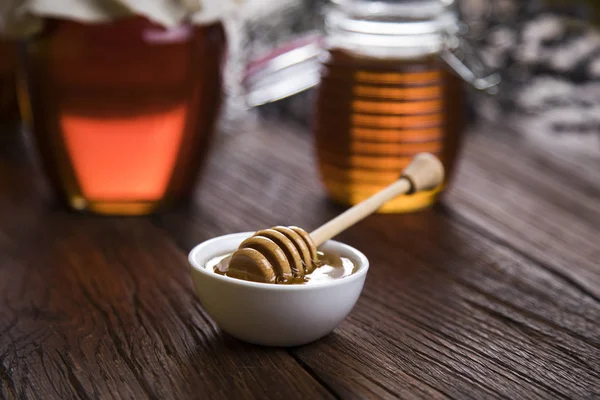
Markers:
542,204
463,315
104,308
446,311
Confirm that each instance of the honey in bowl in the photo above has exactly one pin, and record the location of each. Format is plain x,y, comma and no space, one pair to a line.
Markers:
289,254
329,266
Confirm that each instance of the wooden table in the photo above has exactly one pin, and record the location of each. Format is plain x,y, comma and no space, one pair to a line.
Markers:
493,293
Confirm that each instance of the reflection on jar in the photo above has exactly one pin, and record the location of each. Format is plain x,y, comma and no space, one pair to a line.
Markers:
123,112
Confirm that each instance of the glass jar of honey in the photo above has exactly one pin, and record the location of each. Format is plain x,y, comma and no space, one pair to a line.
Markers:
122,111
392,86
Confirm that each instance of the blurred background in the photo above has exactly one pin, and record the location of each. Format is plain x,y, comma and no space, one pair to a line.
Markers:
546,51
546,54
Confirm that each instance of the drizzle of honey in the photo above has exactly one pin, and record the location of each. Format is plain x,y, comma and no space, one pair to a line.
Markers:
330,266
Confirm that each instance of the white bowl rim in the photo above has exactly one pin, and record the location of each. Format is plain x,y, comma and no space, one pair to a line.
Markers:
359,257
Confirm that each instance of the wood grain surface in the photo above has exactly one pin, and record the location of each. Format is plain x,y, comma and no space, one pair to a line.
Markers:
493,293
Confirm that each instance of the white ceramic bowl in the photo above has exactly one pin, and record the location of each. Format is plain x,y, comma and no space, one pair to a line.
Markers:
270,314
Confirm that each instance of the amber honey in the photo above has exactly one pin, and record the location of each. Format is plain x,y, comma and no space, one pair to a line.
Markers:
123,112
373,115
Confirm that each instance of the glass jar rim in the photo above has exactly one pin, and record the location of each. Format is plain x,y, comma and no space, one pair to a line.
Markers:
388,18
409,9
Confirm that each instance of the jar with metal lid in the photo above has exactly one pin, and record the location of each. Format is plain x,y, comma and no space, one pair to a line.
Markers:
391,86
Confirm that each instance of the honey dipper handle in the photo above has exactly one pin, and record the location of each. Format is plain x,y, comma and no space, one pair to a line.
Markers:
425,172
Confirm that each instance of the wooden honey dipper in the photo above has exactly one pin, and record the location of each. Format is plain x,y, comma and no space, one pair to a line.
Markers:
280,254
